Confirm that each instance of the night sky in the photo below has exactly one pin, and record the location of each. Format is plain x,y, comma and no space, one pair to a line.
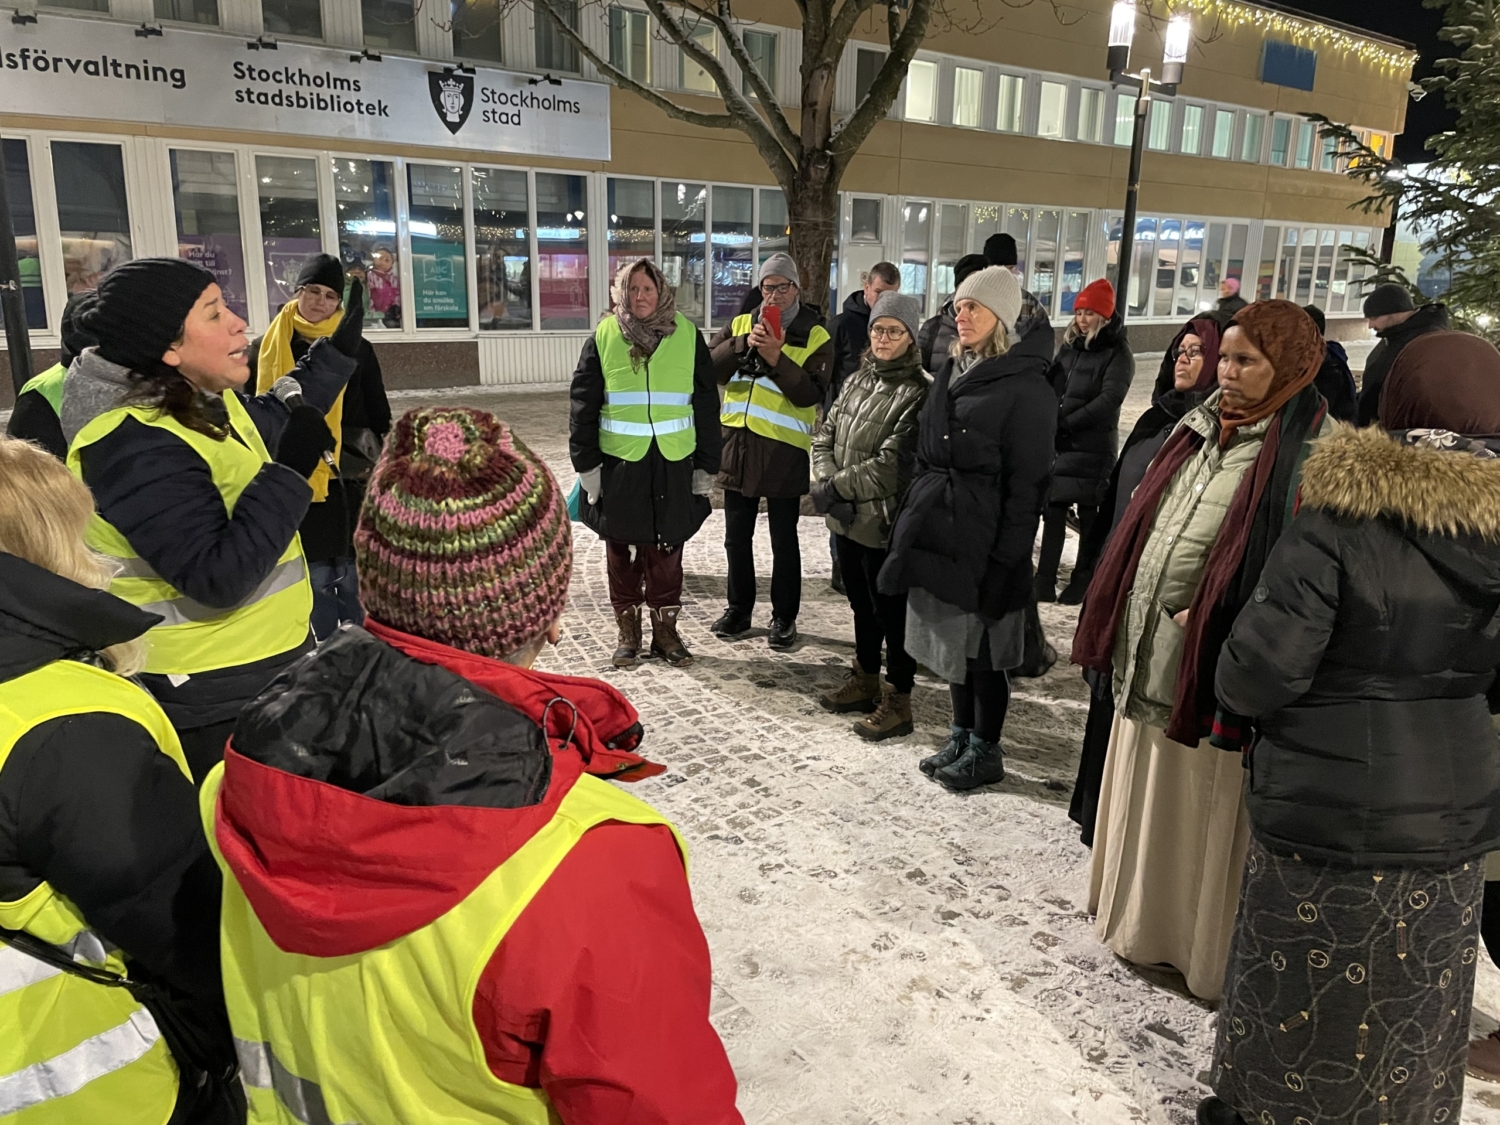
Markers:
1415,23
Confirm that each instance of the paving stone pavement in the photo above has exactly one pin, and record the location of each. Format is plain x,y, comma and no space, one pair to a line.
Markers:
884,950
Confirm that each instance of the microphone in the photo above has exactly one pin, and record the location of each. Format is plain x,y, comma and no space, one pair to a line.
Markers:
289,391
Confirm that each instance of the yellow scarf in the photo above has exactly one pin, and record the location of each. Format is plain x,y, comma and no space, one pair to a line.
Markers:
276,360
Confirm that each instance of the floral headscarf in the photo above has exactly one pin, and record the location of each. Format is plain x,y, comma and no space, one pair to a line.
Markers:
644,335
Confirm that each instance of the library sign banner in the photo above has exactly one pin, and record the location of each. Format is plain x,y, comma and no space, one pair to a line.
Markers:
62,66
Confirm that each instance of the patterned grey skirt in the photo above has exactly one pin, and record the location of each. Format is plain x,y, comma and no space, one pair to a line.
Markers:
1347,994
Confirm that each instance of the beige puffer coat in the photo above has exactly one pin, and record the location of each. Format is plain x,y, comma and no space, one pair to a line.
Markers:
1148,645
867,445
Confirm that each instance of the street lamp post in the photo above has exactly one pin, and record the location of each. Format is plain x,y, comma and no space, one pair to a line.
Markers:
1174,57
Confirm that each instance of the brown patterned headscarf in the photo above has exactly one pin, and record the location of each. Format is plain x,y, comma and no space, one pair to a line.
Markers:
1287,336
644,335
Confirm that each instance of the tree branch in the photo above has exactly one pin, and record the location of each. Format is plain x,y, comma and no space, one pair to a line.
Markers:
769,105
852,133
624,81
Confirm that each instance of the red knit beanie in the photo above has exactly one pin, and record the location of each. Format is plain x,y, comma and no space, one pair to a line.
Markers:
464,538
1097,296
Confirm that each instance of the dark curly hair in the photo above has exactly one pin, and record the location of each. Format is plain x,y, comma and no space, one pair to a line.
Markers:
168,391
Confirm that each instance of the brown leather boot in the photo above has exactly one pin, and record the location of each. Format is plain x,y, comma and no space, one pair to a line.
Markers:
629,646
891,719
665,642
860,691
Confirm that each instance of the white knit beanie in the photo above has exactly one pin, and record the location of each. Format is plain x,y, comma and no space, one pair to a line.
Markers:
996,289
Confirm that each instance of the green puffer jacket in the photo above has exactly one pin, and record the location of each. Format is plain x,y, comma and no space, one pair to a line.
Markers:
1148,646
867,444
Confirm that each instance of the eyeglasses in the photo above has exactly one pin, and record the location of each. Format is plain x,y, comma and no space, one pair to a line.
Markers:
1186,353
776,290
883,333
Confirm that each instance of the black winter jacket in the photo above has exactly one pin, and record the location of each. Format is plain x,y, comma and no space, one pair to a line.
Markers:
649,502
89,804
1091,379
984,461
1335,382
935,337
34,420
328,528
851,339
1365,656
1429,318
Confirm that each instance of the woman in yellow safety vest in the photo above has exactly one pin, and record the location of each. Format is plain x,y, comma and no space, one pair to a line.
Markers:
196,511
644,437
103,865
776,366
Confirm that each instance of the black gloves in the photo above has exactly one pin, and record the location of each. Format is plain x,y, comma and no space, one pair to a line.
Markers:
350,333
826,501
304,441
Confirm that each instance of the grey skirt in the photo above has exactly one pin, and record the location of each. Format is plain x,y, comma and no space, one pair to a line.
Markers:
945,638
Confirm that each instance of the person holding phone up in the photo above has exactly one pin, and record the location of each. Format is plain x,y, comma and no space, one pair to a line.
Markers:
775,366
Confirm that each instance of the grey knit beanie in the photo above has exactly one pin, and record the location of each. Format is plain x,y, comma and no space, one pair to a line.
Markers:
780,265
898,306
996,289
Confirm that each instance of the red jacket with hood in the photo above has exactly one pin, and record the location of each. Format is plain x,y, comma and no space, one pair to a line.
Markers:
407,789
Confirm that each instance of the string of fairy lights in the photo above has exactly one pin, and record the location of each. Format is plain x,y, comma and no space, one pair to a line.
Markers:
1387,56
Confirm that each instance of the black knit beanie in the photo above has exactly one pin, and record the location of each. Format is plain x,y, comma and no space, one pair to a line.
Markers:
1387,299
1000,250
322,269
74,336
140,308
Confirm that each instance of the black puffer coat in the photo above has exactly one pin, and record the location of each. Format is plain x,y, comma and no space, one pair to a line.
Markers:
984,461
1365,656
649,502
1091,379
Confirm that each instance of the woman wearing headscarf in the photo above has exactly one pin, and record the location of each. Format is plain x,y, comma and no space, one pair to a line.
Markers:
1363,660
1171,832
1189,373
359,420
644,439
961,545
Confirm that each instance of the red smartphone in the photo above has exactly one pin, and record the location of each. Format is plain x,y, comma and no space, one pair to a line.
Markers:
770,316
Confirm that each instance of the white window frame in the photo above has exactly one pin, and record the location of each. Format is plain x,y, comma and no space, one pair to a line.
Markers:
1179,129
978,122
908,87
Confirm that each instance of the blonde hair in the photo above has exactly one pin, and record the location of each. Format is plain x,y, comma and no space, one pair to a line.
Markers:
998,343
1071,332
44,510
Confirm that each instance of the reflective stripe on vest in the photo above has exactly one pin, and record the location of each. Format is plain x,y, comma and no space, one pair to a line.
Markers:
759,404
649,401
74,1050
194,637
49,384
387,1036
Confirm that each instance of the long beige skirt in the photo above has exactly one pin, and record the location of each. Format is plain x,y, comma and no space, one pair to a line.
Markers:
1169,852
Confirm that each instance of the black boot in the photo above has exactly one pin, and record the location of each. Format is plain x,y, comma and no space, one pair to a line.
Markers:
981,763
958,738
1214,1111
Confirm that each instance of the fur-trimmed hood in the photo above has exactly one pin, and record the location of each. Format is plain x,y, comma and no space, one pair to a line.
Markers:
1445,502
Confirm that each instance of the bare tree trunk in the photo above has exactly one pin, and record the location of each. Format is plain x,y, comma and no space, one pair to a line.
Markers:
812,204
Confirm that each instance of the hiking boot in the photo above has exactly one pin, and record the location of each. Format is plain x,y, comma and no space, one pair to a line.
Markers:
949,753
1077,586
731,623
1045,588
891,719
665,642
1484,1057
837,581
783,634
981,763
627,650
860,691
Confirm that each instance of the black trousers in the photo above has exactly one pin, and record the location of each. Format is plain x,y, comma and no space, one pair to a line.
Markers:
981,701
878,618
786,554
1055,533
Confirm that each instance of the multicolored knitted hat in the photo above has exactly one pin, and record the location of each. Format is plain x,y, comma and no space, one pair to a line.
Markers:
464,538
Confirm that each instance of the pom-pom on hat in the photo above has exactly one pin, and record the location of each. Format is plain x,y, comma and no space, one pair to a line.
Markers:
464,537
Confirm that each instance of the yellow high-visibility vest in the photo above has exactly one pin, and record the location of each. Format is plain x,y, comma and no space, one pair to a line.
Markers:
273,619
652,401
48,384
759,403
387,1036
75,1051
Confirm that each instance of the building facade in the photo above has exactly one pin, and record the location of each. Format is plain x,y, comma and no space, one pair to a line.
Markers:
475,170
